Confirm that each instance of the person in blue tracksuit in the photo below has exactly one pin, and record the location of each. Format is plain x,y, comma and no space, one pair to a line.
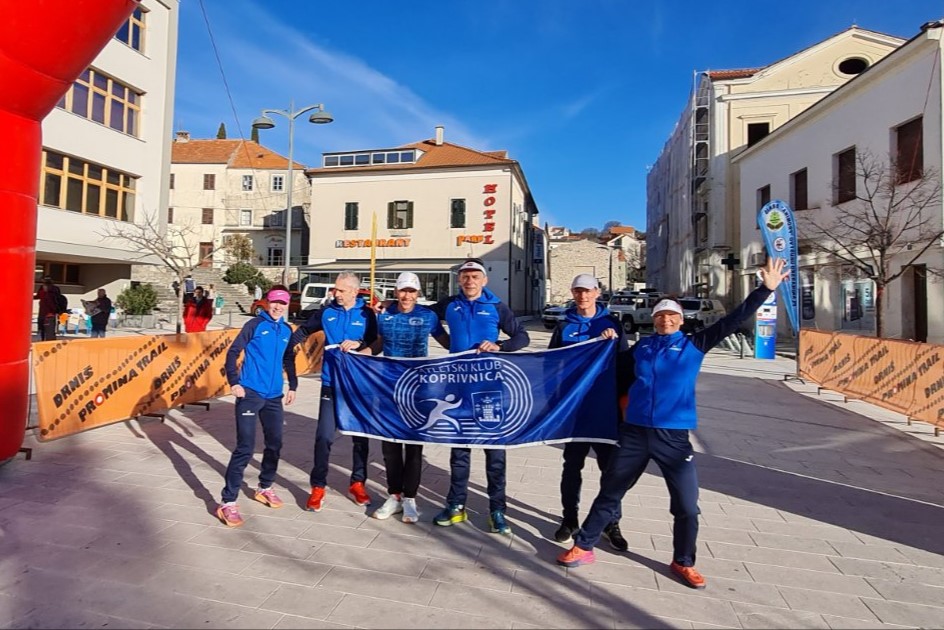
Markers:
586,320
257,386
661,412
475,317
404,331
350,323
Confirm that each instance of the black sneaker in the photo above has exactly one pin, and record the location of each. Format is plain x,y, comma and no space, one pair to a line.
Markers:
613,534
566,531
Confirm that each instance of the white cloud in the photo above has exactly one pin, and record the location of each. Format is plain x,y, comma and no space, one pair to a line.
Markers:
371,109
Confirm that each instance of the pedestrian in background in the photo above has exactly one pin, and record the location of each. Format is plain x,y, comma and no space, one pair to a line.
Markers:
48,296
189,287
663,369
100,314
404,331
198,311
257,385
476,317
585,320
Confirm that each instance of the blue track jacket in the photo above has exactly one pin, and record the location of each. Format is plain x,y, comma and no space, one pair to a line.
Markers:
663,369
357,324
576,328
471,323
265,342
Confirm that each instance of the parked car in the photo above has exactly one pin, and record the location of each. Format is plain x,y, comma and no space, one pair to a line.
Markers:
633,310
554,314
700,313
315,295
294,305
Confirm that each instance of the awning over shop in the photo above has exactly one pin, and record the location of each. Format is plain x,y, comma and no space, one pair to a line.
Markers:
393,266
57,251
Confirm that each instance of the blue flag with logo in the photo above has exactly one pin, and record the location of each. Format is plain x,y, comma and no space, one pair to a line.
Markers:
778,227
491,400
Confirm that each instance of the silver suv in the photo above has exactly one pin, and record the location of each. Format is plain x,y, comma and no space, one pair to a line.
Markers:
633,310
700,313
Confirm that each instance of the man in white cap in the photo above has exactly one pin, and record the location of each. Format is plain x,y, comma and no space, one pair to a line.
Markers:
588,319
404,330
660,413
475,317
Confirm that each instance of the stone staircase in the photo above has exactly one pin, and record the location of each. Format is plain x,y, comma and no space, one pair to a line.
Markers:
236,298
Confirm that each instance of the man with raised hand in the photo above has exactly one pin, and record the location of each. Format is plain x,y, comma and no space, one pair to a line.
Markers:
662,372
351,324
475,316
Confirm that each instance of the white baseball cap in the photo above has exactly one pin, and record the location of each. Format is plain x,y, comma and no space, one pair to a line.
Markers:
408,280
668,305
472,265
584,281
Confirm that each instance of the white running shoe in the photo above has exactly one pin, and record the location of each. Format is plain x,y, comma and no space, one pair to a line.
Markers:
391,506
410,513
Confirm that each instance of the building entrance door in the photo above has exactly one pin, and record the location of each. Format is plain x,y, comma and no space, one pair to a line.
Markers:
206,254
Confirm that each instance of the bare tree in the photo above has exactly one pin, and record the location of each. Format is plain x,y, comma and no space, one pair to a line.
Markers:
148,240
892,215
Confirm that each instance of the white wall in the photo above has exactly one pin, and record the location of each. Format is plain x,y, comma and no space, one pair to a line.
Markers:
863,114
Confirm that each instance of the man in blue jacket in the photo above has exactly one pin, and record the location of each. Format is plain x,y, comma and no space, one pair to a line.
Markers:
475,317
257,386
586,320
350,323
661,412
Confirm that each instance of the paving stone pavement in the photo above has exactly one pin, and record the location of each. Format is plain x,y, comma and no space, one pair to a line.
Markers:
815,513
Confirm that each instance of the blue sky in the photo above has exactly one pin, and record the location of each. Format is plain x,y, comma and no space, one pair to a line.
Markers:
583,94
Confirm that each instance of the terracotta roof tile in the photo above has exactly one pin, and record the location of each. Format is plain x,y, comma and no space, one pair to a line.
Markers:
622,229
434,156
741,73
233,153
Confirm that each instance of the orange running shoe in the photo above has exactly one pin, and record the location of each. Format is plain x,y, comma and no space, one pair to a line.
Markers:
358,493
689,576
575,556
316,500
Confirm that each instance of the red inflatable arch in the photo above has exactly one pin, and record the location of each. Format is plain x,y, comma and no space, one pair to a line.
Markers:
44,46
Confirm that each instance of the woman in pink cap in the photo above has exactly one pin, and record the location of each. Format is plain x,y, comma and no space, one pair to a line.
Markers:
257,385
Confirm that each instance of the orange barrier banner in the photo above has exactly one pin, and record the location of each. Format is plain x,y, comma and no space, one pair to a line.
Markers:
903,376
86,383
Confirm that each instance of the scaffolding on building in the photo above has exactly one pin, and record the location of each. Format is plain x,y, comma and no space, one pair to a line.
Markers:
700,126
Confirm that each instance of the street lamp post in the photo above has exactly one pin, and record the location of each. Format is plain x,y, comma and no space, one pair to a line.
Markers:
319,117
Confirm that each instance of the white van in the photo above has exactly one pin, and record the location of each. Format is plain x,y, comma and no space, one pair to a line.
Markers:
315,295
700,313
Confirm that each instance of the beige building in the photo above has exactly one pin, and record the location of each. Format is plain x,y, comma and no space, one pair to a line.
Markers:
888,117
632,243
567,258
219,188
693,209
106,153
435,203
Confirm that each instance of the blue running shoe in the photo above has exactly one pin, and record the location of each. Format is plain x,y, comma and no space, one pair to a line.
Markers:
451,515
498,524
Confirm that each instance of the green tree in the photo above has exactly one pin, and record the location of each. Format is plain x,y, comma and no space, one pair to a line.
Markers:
221,132
245,273
138,299
255,135
240,247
